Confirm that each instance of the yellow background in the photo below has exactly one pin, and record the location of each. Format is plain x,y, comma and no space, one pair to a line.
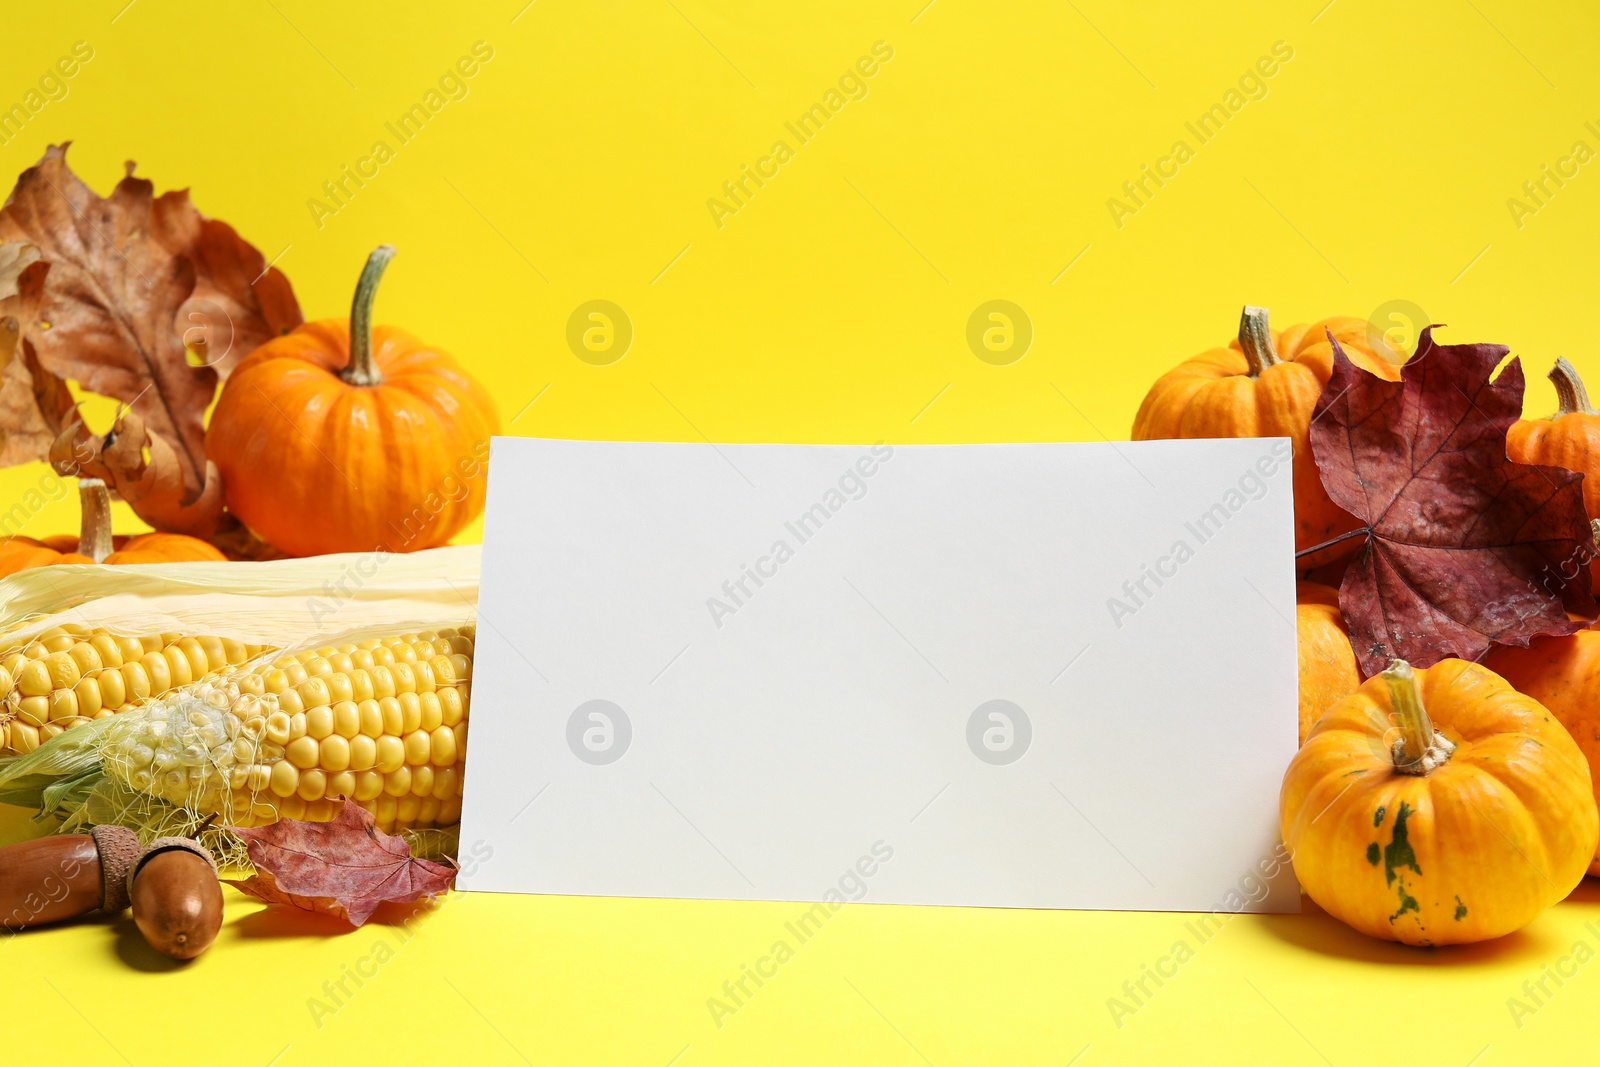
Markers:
833,307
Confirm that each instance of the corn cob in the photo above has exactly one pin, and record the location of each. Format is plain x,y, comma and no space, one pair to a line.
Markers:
71,674
382,723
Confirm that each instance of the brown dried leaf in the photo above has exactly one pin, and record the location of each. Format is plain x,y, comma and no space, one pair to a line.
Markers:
125,281
35,407
345,867
153,487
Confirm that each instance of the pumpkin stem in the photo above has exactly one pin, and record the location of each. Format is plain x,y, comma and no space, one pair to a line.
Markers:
1255,337
94,533
361,370
1569,389
1419,749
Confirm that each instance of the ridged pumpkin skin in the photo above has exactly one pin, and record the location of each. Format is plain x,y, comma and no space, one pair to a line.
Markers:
315,464
1328,671
1570,438
1563,674
1214,395
1473,850
23,553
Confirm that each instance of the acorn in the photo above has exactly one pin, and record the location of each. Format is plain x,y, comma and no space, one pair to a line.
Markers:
62,877
177,898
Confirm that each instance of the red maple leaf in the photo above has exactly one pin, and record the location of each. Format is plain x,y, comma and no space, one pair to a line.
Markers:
1465,549
344,867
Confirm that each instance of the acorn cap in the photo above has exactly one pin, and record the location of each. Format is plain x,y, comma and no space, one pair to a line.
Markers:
167,844
118,847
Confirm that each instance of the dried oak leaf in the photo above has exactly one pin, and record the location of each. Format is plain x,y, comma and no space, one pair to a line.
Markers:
1465,549
35,405
345,867
146,472
126,285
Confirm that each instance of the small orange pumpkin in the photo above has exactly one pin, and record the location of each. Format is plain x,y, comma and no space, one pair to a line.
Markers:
1266,385
94,543
338,437
1328,670
1563,674
1438,807
1570,438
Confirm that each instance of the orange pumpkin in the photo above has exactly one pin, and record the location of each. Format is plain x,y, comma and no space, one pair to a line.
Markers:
1563,674
338,437
1437,807
94,543
1328,670
1266,384
1570,438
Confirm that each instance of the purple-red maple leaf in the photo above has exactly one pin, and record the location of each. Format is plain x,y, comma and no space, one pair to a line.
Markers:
1465,549
345,867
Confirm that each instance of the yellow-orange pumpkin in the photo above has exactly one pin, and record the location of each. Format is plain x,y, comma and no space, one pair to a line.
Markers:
94,543
1563,674
1570,438
338,437
1328,670
1437,807
1266,385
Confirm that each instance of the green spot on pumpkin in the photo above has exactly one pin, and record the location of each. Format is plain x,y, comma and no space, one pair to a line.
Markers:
1377,816
1372,853
1407,903
1461,909
1398,852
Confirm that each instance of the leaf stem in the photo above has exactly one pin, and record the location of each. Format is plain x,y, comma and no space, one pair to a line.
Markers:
1570,390
1357,532
94,532
361,370
1255,338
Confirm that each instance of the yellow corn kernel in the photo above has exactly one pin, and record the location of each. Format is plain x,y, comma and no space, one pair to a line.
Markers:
450,707
419,748
24,737
297,725
363,753
289,701
360,685
319,722
334,753
313,785
292,808
34,679
113,688
369,784
277,730
432,714
313,692
410,712
422,781
391,753
63,705
397,783
83,653
178,669
442,747
34,710
342,784
303,752
405,679
87,694
285,778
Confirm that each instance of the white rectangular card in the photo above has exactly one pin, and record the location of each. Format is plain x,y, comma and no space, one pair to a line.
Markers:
1013,675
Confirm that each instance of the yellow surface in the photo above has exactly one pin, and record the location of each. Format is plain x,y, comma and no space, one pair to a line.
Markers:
833,306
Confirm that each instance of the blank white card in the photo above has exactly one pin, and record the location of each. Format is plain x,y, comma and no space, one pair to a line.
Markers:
1013,675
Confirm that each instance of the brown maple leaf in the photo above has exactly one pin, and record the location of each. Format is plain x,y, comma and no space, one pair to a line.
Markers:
345,867
144,470
1465,549
127,284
